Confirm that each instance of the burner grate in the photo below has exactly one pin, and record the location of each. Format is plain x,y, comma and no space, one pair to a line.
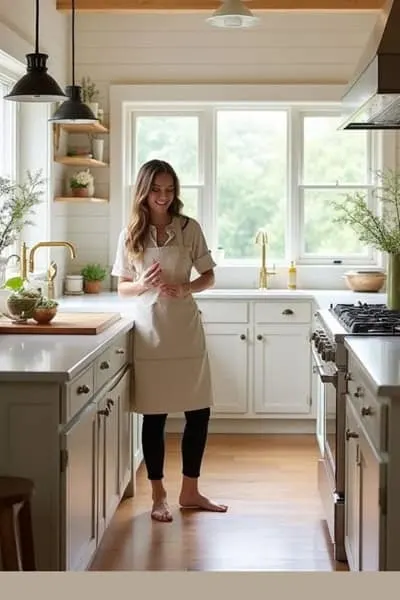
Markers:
373,319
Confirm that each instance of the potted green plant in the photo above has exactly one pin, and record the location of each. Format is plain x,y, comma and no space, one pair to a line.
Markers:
90,95
45,310
93,274
81,184
17,202
382,230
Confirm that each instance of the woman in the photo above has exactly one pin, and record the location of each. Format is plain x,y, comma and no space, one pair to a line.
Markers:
154,260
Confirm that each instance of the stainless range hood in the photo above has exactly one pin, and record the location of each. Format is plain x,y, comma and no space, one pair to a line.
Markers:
372,101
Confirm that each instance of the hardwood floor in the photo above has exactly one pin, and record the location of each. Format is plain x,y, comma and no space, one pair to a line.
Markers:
274,522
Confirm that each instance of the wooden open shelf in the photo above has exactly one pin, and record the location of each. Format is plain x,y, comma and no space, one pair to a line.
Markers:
79,200
76,161
89,128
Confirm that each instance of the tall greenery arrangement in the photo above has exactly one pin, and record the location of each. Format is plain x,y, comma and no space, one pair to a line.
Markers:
382,230
17,204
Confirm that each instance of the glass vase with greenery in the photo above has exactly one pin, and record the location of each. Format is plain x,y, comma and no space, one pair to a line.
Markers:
380,230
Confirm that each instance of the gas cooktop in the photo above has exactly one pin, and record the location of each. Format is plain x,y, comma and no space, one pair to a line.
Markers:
371,319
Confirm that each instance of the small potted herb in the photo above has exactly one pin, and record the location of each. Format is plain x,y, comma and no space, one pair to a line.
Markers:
93,274
45,310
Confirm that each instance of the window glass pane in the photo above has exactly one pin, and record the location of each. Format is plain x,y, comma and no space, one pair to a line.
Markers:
7,133
171,138
332,155
322,236
251,181
189,198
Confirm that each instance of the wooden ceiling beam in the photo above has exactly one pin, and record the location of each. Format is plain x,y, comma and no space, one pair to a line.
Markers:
121,6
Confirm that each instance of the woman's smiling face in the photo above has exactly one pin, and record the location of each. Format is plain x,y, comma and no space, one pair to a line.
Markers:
162,194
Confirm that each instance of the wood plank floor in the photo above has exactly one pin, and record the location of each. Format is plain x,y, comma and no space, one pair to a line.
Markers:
274,523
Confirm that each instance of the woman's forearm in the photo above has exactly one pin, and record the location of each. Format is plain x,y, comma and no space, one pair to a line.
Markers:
131,288
203,282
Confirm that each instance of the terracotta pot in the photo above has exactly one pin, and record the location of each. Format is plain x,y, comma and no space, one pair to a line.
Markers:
44,315
92,287
80,192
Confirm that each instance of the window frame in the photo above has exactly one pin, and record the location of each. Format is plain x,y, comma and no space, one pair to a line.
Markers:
207,101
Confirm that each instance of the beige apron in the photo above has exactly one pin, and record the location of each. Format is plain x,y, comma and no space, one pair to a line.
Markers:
171,368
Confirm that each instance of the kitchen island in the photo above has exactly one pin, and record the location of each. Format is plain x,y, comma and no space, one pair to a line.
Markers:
372,530
65,423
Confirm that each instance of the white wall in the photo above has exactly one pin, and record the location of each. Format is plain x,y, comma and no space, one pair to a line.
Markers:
17,38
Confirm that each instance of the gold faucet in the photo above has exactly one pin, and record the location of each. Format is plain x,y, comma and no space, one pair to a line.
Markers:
262,240
27,260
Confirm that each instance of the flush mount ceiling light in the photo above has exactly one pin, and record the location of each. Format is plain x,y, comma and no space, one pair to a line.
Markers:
73,110
232,14
36,85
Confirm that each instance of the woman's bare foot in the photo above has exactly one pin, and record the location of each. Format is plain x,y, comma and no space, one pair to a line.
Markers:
161,511
198,501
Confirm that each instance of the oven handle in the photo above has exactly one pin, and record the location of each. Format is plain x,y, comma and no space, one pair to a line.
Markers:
323,375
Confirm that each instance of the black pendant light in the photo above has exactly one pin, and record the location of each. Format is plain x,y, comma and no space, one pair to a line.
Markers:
73,110
36,85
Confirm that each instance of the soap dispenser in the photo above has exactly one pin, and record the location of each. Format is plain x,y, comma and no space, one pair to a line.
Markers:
292,274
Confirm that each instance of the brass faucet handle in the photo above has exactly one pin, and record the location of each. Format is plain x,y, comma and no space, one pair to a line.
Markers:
52,271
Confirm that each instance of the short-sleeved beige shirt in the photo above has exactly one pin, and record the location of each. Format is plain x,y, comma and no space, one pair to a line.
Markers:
193,239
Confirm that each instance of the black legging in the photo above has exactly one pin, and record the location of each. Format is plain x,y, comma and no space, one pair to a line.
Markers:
193,442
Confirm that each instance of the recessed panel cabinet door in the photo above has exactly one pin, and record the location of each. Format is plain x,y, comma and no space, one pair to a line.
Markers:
282,369
228,350
80,482
353,490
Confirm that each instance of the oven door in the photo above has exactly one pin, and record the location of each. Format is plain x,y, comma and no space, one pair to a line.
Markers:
326,415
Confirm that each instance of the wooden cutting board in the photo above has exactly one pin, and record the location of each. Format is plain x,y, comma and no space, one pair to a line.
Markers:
64,324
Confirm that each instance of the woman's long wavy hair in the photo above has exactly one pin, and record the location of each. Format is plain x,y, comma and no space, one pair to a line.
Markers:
138,227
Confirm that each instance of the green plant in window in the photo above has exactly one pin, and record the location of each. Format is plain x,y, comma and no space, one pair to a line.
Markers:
381,230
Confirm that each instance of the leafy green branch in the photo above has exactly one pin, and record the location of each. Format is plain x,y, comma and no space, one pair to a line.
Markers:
17,203
381,230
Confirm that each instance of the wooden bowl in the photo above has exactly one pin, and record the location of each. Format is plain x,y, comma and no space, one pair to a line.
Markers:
365,281
42,316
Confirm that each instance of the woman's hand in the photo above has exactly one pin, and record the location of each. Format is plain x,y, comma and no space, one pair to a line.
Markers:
179,290
151,277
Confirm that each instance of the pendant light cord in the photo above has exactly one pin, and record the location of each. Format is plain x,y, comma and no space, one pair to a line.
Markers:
37,28
73,42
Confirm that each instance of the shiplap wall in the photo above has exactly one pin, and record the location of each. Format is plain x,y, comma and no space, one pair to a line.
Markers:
284,48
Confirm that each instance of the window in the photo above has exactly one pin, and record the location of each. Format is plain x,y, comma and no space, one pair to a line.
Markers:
334,163
7,131
278,167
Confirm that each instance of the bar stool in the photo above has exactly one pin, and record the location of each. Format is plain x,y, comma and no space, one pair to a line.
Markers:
16,534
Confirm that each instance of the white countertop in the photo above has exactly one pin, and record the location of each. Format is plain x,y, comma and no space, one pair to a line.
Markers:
379,358
59,358
52,357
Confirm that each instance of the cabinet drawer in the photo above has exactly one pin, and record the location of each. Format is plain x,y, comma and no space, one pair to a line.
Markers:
282,312
224,311
371,413
79,392
111,360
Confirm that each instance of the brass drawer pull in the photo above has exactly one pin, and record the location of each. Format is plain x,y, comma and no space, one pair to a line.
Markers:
359,393
104,365
242,337
120,351
260,337
83,389
288,311
366,411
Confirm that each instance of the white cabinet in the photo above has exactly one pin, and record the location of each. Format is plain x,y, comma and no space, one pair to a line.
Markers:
228,349
80,483
353,490
282,364
260,357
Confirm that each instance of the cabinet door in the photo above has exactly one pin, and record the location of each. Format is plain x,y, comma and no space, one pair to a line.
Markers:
372,515
282,369
228,350
137,441
108,441
352,489
80,490
125,432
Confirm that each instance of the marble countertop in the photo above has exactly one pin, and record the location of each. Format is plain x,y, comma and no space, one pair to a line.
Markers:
379,358
53,357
